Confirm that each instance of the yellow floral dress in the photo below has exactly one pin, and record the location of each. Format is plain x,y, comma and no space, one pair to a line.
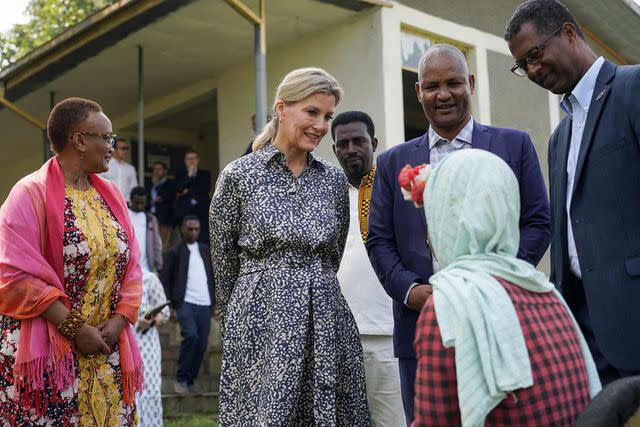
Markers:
96,253
106,250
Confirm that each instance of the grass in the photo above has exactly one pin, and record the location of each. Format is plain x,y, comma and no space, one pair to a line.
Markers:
190,420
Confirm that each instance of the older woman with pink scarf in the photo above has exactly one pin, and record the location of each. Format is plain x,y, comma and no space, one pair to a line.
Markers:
70,284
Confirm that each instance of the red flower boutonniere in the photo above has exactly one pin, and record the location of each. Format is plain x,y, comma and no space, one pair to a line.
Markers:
413,181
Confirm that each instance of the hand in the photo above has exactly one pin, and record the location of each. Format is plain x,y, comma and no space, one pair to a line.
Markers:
89,341
158,199
144,324
158,318
110,329
418,296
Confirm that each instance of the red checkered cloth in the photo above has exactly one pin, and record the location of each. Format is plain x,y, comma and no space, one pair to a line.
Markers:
560,384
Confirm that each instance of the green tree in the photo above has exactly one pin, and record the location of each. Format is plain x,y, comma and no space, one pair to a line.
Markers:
47,19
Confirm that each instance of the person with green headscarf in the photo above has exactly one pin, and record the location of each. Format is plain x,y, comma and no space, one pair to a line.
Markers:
496,343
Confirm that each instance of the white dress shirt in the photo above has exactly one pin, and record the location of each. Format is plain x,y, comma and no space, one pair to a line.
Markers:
139,222
197,291
123,176
576,105
370,304
439,148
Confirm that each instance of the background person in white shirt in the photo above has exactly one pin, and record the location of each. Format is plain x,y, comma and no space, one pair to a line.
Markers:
188,281
353,133
147,231
120,172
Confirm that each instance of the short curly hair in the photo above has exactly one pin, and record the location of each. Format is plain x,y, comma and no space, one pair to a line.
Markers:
64,118
350,117
545,15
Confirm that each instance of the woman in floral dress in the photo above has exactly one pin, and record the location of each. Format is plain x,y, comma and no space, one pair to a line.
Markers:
70,285
279,220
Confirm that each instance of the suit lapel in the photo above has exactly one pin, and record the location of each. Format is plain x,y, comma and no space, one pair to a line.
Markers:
598,100
563,141
418,156
481,138
420,152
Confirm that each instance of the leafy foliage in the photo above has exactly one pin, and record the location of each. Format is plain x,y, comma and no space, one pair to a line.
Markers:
47,19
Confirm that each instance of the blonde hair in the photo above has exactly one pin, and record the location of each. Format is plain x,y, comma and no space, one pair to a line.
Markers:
294,87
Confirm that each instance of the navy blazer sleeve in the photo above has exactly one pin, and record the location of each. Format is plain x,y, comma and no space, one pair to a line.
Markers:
634,105
381,241
535,233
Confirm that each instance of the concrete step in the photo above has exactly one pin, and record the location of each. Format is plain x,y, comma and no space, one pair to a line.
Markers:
209,376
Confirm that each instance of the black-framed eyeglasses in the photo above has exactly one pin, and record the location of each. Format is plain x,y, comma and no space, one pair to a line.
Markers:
533,56
109,137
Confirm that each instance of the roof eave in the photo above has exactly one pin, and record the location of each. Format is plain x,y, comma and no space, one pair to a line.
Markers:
88,38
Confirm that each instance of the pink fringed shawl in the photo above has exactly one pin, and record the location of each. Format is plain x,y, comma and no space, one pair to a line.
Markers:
31,278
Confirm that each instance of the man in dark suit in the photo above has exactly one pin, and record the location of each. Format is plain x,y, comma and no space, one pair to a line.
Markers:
193,187
397,243
162,192
594,175
187,277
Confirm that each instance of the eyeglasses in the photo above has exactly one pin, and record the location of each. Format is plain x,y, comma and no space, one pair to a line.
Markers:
109,138
533,56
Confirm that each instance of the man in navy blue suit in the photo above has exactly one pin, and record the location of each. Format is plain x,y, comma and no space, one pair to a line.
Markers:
397,243
594,175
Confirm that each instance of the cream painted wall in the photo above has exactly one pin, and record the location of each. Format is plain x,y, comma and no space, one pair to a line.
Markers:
22,154
351,52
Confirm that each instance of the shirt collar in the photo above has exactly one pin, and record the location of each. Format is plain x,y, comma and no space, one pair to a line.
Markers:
583,91
269,152
465,134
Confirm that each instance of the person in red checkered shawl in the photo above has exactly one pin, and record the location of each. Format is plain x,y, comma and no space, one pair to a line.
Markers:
496,344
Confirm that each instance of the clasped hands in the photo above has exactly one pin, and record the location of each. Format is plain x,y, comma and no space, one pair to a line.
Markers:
92,340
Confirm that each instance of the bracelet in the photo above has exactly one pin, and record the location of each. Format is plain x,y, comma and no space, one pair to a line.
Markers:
123,317
71,324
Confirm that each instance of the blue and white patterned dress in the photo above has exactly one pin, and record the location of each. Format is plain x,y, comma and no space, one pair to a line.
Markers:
292,354
149,403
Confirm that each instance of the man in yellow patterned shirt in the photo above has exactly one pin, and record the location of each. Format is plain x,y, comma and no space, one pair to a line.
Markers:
354,145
